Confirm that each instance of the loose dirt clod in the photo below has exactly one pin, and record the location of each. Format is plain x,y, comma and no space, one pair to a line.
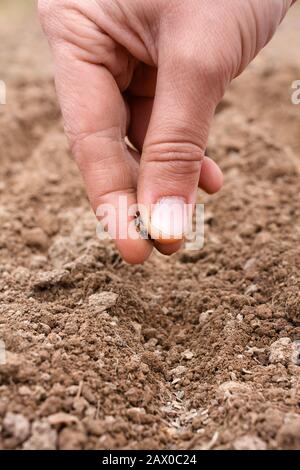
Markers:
103,301
43,437
61,418
281,351
249,443
16,425
188,355
289,435
48,279
36,238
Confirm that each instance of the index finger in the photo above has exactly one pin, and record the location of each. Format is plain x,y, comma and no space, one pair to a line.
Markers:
95,122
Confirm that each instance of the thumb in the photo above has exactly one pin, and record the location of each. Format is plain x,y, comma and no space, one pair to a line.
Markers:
175,144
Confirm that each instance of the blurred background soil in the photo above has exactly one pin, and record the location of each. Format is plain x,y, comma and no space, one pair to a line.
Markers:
189,352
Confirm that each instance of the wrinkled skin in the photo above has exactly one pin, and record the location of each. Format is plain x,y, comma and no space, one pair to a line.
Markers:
153,70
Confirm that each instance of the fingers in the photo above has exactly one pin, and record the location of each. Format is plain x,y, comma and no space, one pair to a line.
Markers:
173,150
95,121
211,177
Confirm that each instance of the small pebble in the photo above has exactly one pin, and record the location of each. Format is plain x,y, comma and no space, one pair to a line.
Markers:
103,300
16,425
187,354
43,437
36,238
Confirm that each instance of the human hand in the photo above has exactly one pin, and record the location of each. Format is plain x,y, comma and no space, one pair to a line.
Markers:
152,70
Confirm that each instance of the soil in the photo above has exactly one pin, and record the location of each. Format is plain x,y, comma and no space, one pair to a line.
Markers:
196,351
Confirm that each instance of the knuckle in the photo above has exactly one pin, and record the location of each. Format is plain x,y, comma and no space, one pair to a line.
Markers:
180,170
186,57
211,65
190,56
176,159
204,62
214,72
49,12
45,9
92,148
173,152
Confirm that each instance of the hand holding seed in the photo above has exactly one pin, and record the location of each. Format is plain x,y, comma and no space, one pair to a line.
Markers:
154,71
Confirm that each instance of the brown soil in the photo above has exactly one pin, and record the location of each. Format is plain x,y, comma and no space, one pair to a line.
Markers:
193,351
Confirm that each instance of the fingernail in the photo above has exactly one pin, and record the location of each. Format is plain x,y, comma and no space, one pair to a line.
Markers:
169,219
